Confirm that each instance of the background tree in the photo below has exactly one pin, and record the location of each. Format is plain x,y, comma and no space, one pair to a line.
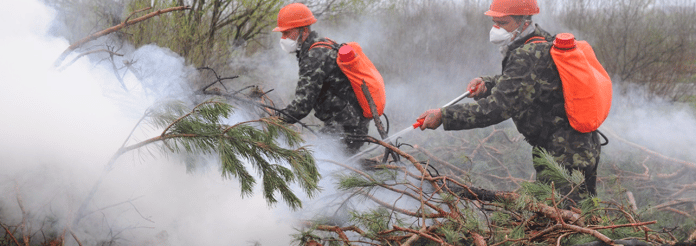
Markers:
211,32
94,16
648,42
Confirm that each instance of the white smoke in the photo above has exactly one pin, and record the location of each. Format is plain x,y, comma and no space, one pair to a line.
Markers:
60,128
656,124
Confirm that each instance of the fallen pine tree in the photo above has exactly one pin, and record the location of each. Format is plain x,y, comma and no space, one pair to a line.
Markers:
447,210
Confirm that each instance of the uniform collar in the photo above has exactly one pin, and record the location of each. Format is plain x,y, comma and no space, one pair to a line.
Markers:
311,39
521,41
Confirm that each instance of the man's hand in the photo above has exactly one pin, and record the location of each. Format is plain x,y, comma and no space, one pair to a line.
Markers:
433,119
477,87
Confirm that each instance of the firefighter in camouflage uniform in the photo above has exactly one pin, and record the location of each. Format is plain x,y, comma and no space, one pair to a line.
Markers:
322,86
529,91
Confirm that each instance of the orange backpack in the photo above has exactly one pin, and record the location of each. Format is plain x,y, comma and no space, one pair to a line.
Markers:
586,85
358,68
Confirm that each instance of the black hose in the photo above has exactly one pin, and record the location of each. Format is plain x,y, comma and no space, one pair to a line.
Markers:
386,120
437,173
605,138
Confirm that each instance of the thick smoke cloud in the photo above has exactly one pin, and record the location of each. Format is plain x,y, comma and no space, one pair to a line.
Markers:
60,128
653,123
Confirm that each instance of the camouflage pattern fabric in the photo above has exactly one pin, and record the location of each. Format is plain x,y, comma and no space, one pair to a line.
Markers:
575,151
529,91
336,105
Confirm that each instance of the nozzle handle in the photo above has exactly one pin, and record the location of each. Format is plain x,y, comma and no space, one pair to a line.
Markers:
418,123
459,98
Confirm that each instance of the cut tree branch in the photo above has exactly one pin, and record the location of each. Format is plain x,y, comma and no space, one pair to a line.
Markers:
341,231
421,233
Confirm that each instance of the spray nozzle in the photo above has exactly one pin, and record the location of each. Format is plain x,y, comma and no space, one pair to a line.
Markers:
418,123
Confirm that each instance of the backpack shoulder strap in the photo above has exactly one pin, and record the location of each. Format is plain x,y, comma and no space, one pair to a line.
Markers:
329,43
536,40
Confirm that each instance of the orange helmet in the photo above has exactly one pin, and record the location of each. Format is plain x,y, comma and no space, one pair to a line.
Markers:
500,8
294,15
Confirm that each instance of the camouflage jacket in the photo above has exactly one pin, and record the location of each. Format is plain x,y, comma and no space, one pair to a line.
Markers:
529,91
322,86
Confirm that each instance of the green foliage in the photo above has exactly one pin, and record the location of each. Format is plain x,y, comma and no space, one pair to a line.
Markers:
202,132
500,218
507,226
330,10
590,207
207,34
350,181
472,221
543,192
374,221
533,192
518,232
639,40
449,198
452,232
554,171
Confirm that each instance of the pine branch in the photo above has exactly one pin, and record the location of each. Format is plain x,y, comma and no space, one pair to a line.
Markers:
536,204
371,182
201,131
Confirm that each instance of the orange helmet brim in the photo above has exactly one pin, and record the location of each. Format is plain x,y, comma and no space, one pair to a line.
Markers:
281,29
492,13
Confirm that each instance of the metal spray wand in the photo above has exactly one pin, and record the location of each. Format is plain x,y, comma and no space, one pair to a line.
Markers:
408,129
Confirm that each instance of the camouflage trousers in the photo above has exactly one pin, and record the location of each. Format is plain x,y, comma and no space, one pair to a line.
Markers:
333,127
574,151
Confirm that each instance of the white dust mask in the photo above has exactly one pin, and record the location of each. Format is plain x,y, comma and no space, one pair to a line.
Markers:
500,36
288,45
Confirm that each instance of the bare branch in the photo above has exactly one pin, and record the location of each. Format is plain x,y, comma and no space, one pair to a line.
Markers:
87,53
24,226
9,233
421,233
75,237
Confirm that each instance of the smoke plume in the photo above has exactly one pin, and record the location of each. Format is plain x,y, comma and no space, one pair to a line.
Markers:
60,128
